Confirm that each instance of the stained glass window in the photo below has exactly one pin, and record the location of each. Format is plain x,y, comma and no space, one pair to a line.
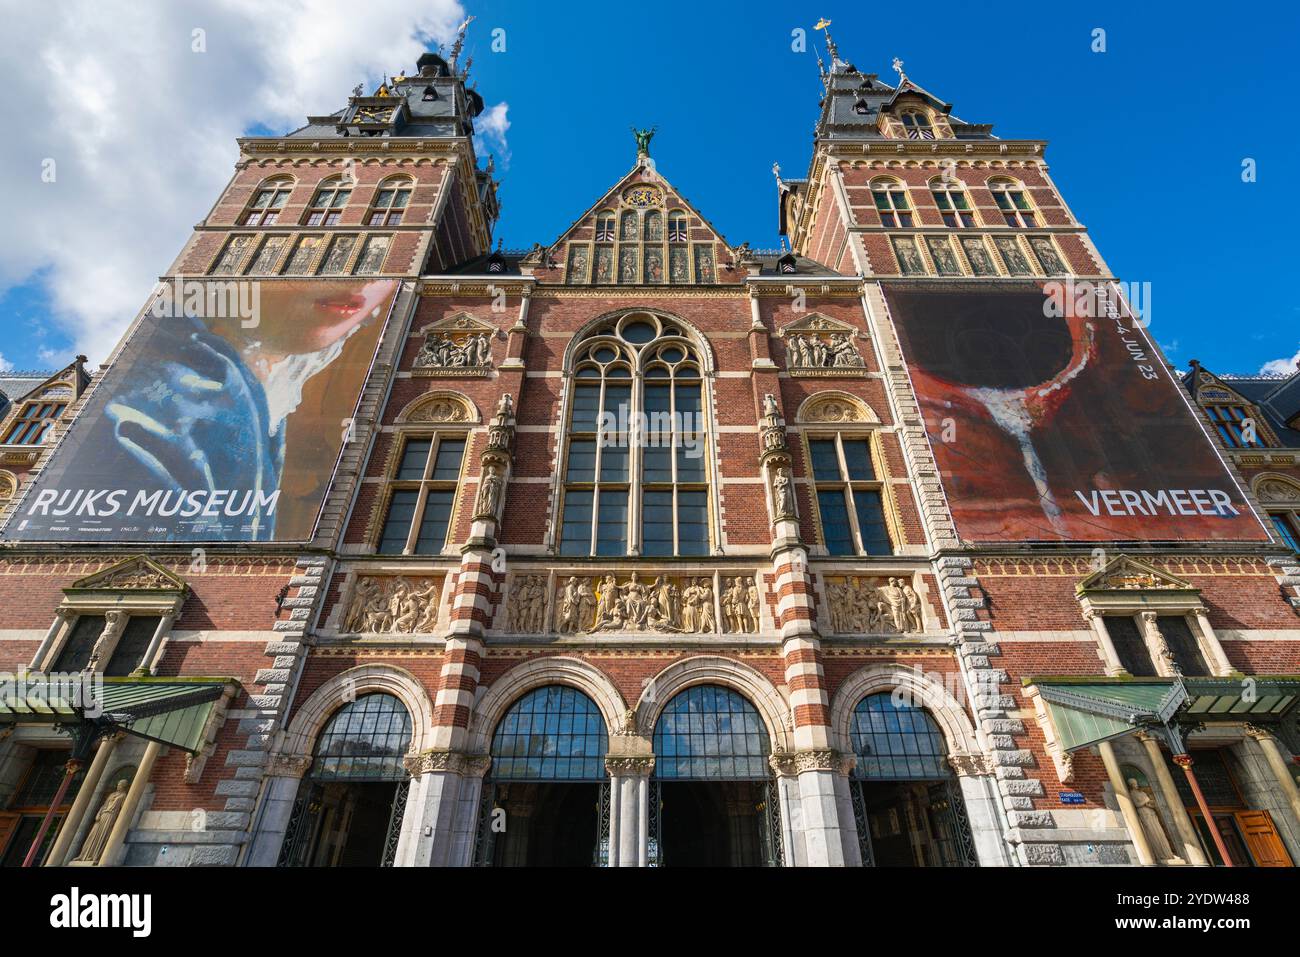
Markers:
711,733
554,733
365,740
895,740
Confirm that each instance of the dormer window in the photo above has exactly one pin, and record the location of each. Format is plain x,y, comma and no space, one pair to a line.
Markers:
1012,202
267,202
390,202
1235,425
890,197
327,205
429,94
861,108
917,125
35,423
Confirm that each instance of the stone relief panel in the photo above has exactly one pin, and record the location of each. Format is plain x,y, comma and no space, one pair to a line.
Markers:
393,605
820,346
459,345
876,605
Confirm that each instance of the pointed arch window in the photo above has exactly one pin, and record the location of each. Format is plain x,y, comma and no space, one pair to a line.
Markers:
1013,202
267,202
327,205
390,202
890,197
635,472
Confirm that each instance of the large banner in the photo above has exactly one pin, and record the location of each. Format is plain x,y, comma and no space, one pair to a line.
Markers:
221,420
1053,419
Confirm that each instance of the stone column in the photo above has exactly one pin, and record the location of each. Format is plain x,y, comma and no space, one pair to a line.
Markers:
629,801
106,644
1126,808
824,831
62,850
1161,656
1273,755
62,618
465,834
1182,820
1211,647
436,788
792,830
153,654
283,780
115,851
1110,656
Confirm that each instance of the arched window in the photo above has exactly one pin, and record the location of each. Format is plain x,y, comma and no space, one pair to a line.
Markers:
390,202
711,733
917,125
365,740
677,227
950,197
890,197
268,200
34,424
553,733
327,205
636,435
8,487
605,227
907,804
897,741
1013,202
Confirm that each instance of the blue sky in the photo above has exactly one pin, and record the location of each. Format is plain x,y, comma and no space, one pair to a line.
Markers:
1146,140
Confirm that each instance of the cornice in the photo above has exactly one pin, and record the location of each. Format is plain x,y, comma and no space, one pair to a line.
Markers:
381,145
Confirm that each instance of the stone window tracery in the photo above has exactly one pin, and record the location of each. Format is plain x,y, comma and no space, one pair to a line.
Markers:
635,472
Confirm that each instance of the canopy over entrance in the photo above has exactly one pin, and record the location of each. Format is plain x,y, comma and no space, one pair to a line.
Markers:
1087,711
171,711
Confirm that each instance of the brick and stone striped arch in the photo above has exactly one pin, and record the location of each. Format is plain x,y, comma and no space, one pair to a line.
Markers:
770,701
498,697
922,690
300,738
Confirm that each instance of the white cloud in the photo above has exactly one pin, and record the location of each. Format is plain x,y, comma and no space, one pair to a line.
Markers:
5,364
490,128
1280,366
141,129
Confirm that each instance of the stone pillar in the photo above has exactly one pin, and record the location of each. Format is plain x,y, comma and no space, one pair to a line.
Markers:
283,781
1110,657
1161,656
792,830
982,797
153,654
115,851
62,850
629,801
1211,647
62,618
106,644
465,833
1126,808
1191,844
1273,755
823,830
437,778
844,805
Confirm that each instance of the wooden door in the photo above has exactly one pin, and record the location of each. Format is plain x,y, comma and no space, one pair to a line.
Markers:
1262,839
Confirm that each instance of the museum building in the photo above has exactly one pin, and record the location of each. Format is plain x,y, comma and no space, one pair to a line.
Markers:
640,547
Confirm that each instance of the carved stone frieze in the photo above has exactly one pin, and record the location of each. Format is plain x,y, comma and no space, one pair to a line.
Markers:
667,605
861,605
527,604
393,605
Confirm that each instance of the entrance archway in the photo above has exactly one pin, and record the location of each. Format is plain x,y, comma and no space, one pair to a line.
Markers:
349,808
907,804
546,800
713,799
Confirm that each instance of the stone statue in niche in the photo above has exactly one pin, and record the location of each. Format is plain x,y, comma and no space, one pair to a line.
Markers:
393,606
1152,826
442,351
783,493
489,493
866,606
97,840
528,604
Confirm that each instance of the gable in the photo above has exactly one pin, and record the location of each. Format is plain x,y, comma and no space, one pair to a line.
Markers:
133,574
642,231
1128,574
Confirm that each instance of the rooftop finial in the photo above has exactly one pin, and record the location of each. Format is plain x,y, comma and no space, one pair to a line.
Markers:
822,24
643,138
898,68
460,42
776,171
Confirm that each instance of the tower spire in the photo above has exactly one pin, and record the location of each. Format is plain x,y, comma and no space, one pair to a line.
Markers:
460,42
